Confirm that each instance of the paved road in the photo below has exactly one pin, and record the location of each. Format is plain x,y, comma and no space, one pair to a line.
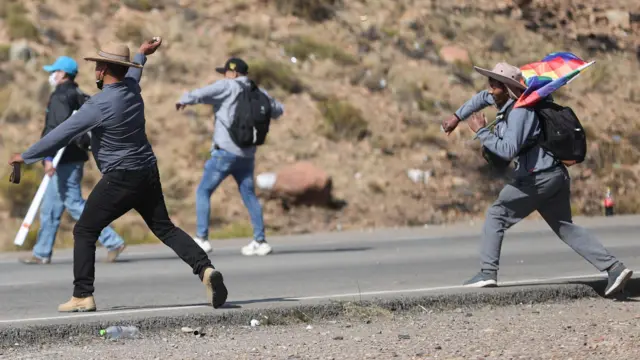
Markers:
152,281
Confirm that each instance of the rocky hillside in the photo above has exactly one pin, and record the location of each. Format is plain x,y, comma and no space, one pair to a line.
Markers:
365,84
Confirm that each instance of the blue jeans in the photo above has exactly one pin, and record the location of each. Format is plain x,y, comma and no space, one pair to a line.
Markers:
216,169
64,191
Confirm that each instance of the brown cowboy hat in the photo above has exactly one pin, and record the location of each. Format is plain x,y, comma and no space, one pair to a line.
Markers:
506,74
114,53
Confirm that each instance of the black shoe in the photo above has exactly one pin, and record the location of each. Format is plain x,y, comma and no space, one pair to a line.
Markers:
216,291
618,277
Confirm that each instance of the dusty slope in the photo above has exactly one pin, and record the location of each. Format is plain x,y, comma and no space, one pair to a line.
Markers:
366,41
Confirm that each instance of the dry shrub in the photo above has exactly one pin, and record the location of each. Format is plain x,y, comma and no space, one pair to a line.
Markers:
312,10
303,47
18,24
131,31
19,197
272,74
4,52
342,121
140,5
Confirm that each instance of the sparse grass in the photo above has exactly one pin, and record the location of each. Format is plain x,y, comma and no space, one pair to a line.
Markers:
89,7
311,10
598,76
18,24
5,97
272,74
342,121
18,197
140,5
233,231
131,31
355,310
304,47
4,54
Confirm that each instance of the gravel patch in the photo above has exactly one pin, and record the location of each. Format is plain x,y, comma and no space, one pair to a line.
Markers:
584,329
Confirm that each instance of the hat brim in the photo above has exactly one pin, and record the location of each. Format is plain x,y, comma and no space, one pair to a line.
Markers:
503,79
221,70
49,68
111,61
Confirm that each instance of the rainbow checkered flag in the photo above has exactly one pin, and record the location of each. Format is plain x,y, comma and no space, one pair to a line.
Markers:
548,75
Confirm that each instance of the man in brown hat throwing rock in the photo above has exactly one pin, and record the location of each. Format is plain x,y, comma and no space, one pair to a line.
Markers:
541,181
119,143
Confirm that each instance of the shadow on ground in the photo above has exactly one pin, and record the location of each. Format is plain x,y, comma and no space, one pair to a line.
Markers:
229,305
276,252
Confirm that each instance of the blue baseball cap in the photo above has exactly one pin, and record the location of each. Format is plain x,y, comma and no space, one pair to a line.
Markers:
63,63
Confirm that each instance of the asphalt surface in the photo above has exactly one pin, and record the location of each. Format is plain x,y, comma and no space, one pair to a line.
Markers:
150,281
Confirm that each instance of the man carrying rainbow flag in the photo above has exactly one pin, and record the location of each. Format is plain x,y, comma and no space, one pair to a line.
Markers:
542,138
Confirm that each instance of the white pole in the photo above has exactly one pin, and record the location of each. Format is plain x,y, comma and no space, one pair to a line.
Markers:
35,204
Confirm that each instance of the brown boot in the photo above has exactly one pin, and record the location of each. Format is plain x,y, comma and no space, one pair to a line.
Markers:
31,260
113,254
78,305
216,291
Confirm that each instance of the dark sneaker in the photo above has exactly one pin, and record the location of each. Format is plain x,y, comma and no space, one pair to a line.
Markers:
216,291
482,279
618,277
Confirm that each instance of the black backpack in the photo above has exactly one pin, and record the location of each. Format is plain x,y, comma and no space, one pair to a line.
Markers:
252,117
561,133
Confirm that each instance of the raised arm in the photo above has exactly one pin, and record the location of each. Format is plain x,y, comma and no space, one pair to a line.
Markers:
521,124
477,102
210,94
85,119
136,73
147,48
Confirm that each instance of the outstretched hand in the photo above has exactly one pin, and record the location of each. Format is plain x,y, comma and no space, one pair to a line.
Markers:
16,159
150,46
449,124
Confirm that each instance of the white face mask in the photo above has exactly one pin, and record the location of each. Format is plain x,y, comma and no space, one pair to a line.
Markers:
53,79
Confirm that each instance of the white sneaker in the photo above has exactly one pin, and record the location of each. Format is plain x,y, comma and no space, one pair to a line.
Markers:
257,248
204,244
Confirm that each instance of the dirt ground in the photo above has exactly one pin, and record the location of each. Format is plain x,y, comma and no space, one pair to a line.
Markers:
585,329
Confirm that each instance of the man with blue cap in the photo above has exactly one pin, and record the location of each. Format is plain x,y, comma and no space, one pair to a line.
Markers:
64,190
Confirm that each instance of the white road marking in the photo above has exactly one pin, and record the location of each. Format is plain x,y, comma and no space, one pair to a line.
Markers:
101,313
319,297
22,283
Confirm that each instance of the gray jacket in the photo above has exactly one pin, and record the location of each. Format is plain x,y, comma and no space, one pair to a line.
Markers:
511,135
222,96
115,117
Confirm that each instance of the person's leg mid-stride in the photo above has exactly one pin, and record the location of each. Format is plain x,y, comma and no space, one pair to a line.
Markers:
115,194
216,169
242,172
549,194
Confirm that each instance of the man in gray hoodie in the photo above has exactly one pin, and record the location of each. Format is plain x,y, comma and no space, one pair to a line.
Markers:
541,181
227,157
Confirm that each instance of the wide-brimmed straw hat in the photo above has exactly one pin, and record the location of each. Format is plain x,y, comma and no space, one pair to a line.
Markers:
506,74
114,53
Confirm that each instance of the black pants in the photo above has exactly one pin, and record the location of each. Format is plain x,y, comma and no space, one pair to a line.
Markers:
114,195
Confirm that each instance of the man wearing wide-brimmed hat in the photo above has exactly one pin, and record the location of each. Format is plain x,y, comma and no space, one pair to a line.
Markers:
541,182
115,116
